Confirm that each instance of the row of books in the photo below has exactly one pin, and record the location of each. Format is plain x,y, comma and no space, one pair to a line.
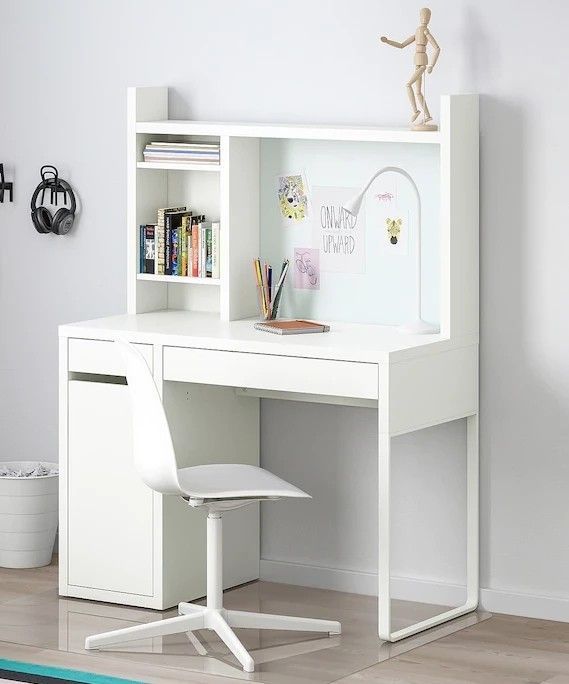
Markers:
179,244
182,153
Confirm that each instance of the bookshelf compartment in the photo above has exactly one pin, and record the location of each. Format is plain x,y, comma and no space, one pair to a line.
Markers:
199,191
157,188
142,140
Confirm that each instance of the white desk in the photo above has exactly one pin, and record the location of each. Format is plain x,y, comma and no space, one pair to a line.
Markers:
415,382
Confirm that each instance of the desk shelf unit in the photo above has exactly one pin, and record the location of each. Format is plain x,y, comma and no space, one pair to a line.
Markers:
122,543
232,192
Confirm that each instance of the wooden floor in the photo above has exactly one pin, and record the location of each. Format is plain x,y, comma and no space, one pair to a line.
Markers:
37,626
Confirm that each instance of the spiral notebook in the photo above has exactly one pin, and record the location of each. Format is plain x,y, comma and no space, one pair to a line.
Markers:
292,327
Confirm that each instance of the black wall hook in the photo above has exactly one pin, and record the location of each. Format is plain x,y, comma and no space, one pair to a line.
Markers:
5,186
51,181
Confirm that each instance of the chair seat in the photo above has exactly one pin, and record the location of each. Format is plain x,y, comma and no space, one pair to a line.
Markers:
234,481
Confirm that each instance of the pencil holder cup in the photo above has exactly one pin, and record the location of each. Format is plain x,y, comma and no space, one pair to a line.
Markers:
266,311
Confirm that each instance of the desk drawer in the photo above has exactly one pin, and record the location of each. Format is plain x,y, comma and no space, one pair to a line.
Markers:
100,356
266,371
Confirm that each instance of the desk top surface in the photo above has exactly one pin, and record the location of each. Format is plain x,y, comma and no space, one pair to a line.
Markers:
345,341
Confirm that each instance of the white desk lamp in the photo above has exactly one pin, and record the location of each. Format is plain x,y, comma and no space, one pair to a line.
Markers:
417,326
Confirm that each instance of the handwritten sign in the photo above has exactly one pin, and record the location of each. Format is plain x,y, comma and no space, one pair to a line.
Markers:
338,235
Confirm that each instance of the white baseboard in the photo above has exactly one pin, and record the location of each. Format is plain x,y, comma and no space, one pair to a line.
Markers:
525,605
355,582
411,589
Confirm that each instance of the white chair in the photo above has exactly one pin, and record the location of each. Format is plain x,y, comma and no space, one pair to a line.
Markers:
218,487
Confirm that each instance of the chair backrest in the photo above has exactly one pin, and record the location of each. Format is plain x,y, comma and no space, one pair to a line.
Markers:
154,456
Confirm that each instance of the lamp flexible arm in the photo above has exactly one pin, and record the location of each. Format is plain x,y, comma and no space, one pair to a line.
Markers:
402,172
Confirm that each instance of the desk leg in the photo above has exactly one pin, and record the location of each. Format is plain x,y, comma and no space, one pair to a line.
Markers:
472,539
384,566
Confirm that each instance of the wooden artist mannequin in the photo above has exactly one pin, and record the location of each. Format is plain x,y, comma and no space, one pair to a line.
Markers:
421,37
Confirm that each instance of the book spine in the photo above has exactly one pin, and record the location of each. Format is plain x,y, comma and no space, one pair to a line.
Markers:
208,252
179,241
184,247
141,249
149,256
215,250
190,250
203,251
160,252
183,268
174,251
167,245
199,229
195,250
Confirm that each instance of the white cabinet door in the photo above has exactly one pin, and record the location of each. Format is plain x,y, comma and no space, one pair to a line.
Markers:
110,510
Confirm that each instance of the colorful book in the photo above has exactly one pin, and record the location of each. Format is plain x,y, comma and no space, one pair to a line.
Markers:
215,249
149,248
160,262
208,250
202,246
190,250
172,221
186,226
174,250
141,249
195,247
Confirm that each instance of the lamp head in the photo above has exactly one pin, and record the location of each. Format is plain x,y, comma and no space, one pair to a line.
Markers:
354,205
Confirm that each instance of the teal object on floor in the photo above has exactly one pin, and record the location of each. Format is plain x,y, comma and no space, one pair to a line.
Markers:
32,672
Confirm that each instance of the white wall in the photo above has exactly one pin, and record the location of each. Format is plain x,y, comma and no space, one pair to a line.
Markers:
65,67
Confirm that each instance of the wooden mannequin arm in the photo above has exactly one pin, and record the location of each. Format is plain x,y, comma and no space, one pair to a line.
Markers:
396,44
436,53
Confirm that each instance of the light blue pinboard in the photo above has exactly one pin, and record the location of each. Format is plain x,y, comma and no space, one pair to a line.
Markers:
383,292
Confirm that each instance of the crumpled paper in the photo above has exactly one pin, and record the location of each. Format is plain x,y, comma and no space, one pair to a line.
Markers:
33,470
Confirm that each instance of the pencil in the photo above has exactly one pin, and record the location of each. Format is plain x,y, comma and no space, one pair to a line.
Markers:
259,277
280,286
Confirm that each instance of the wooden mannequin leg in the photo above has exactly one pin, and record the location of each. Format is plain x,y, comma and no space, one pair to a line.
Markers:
421,97
417,75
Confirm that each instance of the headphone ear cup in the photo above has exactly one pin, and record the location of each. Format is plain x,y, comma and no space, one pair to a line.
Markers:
62,222
41,219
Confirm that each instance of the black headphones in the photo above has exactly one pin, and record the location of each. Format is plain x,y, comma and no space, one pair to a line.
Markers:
62,222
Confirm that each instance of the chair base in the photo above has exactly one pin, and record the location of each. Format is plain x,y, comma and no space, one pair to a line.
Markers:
214,616
193,617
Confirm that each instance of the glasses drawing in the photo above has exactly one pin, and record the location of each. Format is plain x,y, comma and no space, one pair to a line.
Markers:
304,265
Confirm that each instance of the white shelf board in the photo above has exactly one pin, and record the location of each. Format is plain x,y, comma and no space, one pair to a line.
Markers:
173,166
178,279
303,131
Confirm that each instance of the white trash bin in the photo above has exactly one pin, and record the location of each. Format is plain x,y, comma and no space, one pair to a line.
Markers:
28,513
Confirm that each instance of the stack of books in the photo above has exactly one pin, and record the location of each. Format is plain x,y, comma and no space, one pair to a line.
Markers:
182,153
179,244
